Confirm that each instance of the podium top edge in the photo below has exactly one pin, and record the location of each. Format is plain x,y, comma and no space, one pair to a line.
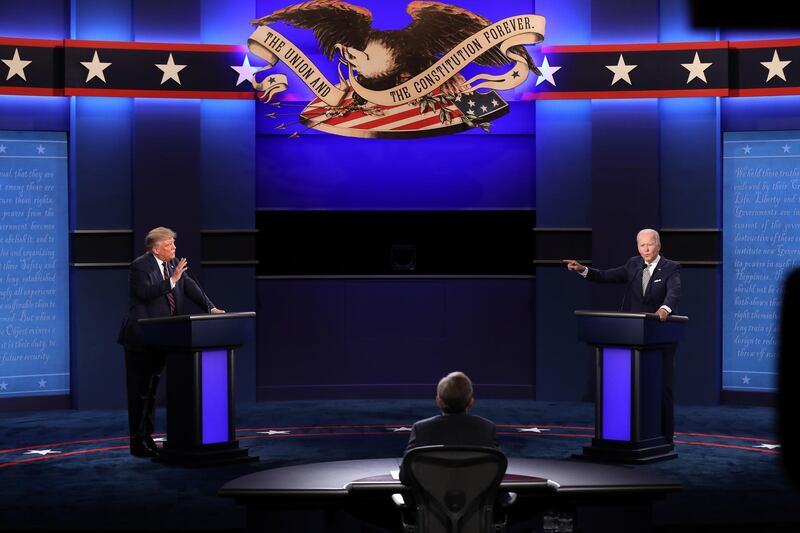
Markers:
642,316
205,316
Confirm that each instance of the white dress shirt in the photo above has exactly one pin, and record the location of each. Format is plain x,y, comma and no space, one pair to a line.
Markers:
161,269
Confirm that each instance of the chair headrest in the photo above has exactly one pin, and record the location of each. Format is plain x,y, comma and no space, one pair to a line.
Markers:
456,453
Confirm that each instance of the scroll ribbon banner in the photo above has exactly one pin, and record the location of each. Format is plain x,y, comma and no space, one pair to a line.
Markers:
270,45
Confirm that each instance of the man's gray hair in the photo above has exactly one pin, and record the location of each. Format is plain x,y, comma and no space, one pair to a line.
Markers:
455,392
157,235
648,230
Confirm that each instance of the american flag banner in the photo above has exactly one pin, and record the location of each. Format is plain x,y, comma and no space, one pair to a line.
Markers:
435,114
765,68
173,70
664,70
129,69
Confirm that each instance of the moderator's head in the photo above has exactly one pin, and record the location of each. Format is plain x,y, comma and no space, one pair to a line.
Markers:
454,393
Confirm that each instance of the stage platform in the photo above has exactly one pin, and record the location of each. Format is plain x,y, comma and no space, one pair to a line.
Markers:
71,469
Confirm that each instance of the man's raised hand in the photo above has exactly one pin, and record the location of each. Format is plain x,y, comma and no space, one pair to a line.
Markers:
179,270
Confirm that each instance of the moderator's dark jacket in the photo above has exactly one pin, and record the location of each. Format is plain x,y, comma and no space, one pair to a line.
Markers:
457,429
664,287
148,296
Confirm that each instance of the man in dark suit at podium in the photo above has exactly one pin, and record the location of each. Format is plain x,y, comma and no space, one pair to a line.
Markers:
654,282
159,287
455,426
653,286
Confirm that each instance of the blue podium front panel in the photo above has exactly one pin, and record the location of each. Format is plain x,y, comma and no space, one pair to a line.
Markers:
616,394
215,396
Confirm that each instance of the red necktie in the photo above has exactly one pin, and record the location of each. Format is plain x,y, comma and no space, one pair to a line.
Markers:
170,296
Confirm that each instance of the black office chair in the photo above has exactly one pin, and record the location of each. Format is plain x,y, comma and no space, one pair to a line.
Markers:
454,489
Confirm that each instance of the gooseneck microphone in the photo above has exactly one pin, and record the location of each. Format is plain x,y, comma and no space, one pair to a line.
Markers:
174,263
627,288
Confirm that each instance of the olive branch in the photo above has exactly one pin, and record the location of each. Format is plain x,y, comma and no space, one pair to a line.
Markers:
440,102
473,121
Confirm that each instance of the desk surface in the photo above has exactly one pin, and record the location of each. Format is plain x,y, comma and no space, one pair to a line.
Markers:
373,475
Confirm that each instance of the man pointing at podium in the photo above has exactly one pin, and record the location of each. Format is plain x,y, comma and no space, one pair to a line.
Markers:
159,287
653,286
653,281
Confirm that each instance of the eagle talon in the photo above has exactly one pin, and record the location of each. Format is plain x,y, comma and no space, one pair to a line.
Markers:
356,105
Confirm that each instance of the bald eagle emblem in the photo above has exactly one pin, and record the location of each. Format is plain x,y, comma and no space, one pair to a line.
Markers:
397,83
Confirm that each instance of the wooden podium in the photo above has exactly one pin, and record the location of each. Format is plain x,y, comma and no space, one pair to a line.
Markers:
634,355
200,388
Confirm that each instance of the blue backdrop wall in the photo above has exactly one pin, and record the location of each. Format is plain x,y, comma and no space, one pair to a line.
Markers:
140,163
396,335
642,163
601,168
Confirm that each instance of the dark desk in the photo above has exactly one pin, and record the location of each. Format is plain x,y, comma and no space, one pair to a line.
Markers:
342,478
362,487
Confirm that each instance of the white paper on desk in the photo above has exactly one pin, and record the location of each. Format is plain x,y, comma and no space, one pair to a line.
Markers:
395,474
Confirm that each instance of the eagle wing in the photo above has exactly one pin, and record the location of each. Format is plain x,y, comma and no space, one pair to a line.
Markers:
332,21
436,28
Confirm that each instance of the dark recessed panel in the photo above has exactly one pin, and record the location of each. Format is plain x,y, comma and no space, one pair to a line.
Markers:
229,247
395,242
36,403
765,399
698,246
553,245
101,247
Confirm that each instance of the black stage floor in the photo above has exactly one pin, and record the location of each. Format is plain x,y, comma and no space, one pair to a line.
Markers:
64,470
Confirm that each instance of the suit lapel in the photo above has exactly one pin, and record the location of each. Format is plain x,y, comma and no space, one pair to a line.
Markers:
155,267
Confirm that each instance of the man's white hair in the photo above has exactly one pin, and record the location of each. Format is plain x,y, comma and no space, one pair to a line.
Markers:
648,230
